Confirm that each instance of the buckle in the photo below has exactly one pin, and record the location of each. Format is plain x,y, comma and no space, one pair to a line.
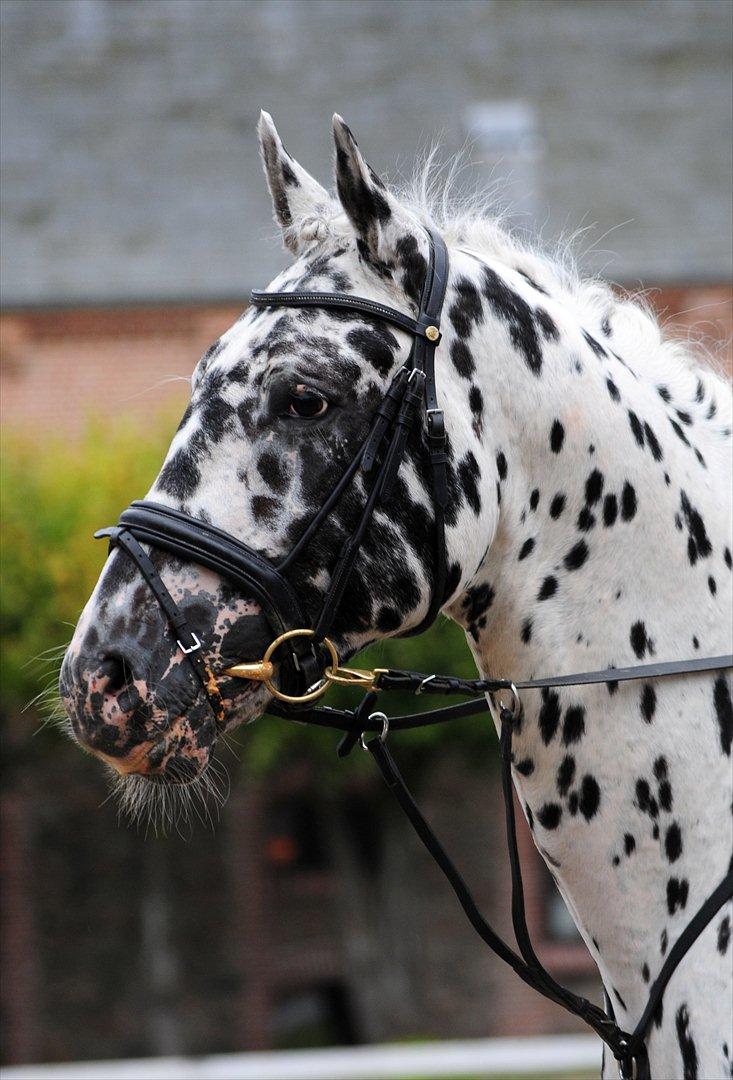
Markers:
191,648
435,425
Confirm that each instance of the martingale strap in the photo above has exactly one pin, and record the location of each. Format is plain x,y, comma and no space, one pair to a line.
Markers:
627,1047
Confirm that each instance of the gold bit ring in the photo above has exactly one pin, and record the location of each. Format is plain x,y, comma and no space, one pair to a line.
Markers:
310,695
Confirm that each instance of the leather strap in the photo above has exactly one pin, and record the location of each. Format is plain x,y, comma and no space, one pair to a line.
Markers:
396,414
418,682
186,640
196,541
628,1049
342,301
446,684
681,947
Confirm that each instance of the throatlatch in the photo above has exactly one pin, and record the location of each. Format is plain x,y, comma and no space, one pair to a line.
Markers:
307,661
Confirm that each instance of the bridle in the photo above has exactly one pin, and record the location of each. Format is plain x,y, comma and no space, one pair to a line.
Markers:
308,661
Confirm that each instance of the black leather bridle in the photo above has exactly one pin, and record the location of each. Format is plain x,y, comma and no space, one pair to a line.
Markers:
304,672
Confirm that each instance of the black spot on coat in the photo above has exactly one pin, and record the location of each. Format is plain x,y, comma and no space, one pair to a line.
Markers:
610,510
549,815
469,474
590,797
648,702
462,359
723,713
557,437
576,556
628,502
686,1044
636,427
548,588
565,774
698,546
573,725
653,442
613,390
673,842
549,718
594,487
526,549
466,311
641,643
512,309
677,892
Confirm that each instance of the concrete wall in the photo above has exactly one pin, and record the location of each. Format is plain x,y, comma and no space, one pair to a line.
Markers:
130,166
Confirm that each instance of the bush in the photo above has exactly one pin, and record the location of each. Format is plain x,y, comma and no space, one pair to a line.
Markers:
55,493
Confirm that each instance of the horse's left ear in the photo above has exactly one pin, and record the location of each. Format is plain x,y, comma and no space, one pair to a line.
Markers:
296,195
390,238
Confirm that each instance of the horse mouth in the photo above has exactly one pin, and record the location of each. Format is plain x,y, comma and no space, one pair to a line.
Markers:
173,759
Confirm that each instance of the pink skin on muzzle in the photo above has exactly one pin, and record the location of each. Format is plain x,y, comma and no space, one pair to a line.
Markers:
131,695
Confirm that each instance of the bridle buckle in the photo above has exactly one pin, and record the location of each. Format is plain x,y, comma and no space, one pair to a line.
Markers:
187,650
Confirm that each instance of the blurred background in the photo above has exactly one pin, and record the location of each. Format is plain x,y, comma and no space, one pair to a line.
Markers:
135,220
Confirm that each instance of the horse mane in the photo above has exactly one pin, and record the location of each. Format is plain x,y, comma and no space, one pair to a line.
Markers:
475,221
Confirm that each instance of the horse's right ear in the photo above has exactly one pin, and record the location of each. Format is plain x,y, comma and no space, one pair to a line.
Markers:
296,195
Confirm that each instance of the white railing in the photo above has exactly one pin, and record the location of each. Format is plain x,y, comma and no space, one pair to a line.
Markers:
557,1056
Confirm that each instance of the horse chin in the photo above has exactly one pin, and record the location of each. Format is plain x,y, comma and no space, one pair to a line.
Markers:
174,758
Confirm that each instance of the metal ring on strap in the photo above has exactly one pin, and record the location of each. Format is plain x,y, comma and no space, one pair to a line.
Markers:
382,736
311,695
494,699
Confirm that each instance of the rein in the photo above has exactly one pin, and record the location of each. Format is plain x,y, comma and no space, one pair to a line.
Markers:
627,1047
308,662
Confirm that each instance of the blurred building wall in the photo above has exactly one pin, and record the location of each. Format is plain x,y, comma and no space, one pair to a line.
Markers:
130,163
306,917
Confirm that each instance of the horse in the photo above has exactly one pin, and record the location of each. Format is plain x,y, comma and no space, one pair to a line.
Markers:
587,524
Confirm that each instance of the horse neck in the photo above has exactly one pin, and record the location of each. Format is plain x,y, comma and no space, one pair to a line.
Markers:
591,565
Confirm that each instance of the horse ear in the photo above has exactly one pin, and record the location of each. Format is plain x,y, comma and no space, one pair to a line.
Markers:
389,236
296,195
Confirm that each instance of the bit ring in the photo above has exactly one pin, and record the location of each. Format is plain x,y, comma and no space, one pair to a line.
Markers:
321,687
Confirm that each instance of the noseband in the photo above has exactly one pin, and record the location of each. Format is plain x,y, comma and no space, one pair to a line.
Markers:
308,662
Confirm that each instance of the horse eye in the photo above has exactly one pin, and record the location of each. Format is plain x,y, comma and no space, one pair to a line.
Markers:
305,402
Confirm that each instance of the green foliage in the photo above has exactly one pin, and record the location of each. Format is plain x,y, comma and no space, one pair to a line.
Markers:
55,493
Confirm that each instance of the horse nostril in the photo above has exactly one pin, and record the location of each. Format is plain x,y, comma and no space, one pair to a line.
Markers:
117,671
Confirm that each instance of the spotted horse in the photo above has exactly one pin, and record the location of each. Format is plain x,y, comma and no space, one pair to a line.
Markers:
420,414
